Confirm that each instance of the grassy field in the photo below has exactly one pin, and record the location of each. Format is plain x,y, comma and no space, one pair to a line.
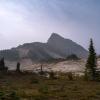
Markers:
34,87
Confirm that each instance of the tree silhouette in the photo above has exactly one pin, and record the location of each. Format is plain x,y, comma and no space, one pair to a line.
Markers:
2,65
18,67
41,70
91,65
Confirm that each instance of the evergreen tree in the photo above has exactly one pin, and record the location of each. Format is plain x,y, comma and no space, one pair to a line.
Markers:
41,70
3,68
18,67
91,65
2,63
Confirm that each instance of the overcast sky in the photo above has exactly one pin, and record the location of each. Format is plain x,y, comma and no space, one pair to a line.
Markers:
25,21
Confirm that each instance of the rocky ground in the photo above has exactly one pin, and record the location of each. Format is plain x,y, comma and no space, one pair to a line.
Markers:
63,66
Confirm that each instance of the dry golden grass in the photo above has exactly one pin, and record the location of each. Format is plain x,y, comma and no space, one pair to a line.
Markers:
33,87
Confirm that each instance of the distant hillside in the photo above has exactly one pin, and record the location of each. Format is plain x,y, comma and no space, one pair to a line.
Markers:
55,48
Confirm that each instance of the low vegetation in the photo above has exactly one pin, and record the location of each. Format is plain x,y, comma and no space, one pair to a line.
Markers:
32,86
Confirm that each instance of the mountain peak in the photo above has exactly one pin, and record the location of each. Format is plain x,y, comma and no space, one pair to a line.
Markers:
54,34
56,47
54,37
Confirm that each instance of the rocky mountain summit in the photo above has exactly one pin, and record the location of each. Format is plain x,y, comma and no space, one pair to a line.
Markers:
56,47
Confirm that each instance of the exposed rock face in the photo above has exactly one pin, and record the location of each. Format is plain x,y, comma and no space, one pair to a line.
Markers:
55,48
66,47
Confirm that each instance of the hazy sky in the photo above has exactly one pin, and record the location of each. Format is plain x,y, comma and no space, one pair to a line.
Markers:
23,21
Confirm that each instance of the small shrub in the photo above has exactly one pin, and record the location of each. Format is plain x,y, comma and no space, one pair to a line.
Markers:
52,75
34,81
43,89
9,96
1,95
13,96
75,88
86,78
70,76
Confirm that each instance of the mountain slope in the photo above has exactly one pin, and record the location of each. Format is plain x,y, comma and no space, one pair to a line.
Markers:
66,46
56,47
